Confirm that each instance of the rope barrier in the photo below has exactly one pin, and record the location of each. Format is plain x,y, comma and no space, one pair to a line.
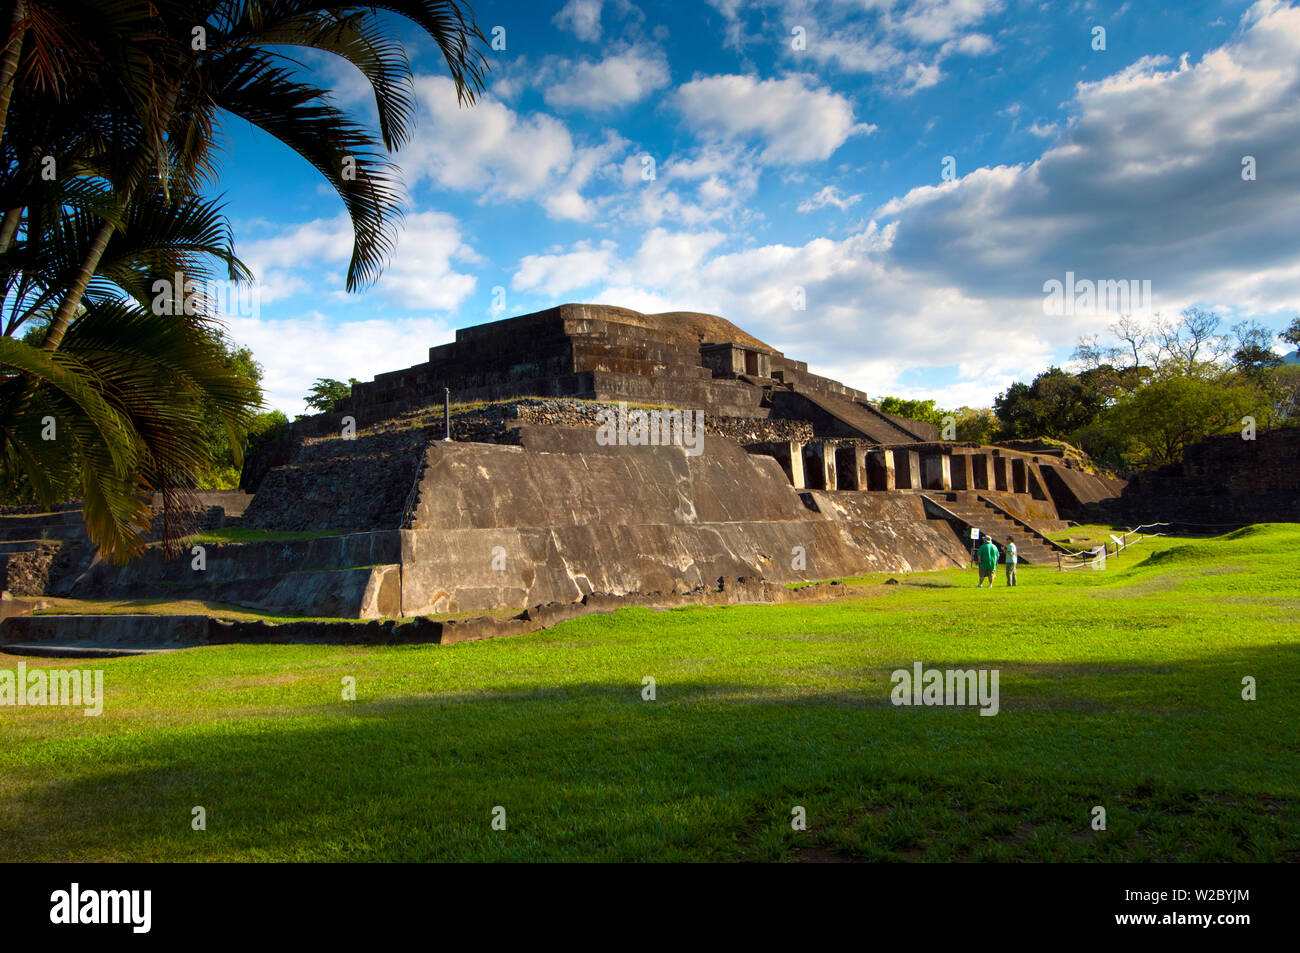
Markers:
1091,557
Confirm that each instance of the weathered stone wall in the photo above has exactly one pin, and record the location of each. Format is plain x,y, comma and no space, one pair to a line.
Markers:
349,576
835,416
380,465
1222,480
27,573
1073,490
561,517
893,529
1041,513
596,352
347,486
578,350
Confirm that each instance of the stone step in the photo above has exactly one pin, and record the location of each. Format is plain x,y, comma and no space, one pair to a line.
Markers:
84,650
1029,547
988,514
121,629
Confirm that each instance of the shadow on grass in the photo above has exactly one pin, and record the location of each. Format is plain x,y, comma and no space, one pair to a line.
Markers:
707,771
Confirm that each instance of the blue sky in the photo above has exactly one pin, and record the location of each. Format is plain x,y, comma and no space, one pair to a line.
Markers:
818,169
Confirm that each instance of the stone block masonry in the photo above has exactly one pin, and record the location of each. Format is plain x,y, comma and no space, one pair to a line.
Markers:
354,575
603,353
798,479
1223,480
559,518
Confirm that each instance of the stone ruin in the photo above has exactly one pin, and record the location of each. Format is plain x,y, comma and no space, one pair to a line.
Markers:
799,478
1223,480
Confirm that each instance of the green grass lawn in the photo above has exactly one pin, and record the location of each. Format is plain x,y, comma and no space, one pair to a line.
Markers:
1120,689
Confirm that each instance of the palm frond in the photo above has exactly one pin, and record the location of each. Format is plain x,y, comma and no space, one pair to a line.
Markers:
342,150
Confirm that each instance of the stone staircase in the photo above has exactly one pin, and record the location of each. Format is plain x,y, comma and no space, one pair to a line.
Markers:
1032,546
843,416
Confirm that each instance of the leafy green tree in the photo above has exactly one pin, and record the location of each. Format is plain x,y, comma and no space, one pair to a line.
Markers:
922,410
326,391
160,99
1105,447
1159,421
1292,334
1253,353
266,426
1284,386
225,458
1113,383
976,424
1055,405
1252,359
114,413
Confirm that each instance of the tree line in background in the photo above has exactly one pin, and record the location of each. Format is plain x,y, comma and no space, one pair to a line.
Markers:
116,380
1139,397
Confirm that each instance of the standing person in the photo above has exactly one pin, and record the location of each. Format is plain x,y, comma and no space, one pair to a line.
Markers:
986,557
1012,557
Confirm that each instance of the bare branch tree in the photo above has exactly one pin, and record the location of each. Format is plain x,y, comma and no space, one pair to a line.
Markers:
1133,335
1090,353
1252,334
1193,340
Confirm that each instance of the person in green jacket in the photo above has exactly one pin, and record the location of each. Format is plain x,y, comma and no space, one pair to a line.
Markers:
986,557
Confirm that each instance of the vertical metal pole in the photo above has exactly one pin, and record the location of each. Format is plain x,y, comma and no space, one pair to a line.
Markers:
446,411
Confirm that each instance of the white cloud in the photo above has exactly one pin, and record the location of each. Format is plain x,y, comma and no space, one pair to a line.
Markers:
829,195
664,255
707,184
1144,183
638,299
309,260
279,262
295,351
581,18
938,21
500,153
901,42
554,274
661,258
793,120
730,10
420,271
852,297
564,200
488,146
618,80
972,44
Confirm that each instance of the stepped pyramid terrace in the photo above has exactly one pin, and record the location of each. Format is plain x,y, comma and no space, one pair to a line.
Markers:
366,511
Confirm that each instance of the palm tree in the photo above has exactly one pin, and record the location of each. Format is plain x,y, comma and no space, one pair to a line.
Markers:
125,98
175,94
117,410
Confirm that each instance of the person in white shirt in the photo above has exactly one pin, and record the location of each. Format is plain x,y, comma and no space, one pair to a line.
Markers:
1011,559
